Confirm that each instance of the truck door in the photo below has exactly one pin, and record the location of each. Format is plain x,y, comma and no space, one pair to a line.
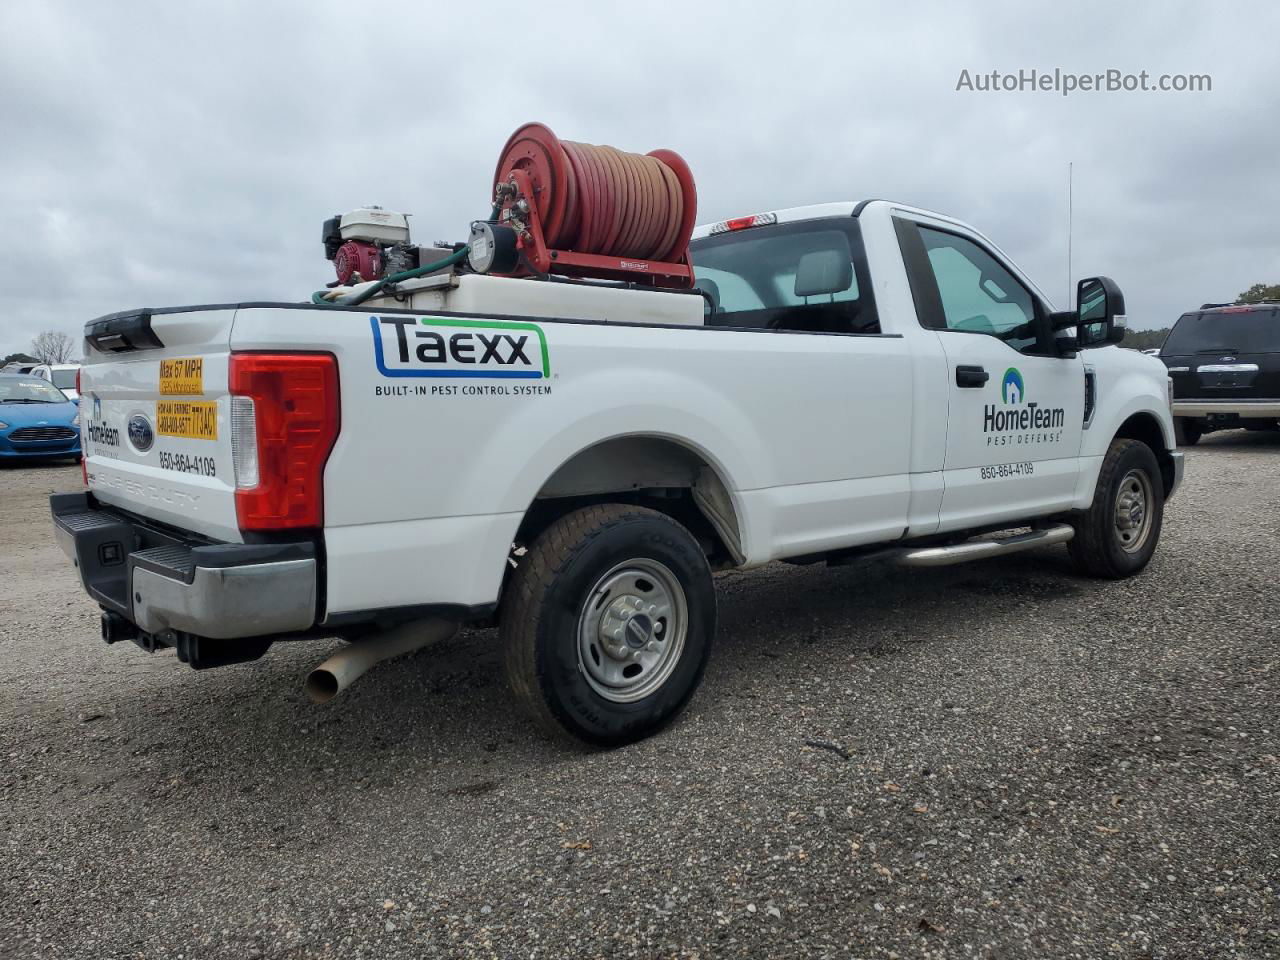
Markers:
1015,411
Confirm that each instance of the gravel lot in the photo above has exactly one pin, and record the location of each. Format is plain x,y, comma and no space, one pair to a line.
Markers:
1025,764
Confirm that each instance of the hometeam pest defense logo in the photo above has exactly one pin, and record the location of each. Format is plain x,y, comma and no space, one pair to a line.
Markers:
1019,420
1011,387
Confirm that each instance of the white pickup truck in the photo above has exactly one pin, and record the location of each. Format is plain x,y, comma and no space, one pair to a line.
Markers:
572,460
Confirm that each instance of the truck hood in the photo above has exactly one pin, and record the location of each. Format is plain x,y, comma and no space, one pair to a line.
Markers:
39,414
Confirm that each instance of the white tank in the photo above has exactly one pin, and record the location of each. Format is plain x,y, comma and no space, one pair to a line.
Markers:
488,296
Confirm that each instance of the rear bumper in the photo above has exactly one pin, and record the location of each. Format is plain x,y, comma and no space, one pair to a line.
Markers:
169,586
1262,409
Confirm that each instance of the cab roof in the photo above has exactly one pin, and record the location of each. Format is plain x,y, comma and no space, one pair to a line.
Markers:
817,211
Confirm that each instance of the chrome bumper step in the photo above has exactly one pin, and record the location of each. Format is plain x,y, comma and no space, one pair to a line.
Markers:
984,549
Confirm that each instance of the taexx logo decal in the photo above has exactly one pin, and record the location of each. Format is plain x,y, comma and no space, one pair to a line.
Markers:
1019,419
456,347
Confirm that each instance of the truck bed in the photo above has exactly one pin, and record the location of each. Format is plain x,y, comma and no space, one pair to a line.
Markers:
430,475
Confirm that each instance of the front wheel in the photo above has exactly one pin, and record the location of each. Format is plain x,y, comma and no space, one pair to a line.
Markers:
1118,534
607,623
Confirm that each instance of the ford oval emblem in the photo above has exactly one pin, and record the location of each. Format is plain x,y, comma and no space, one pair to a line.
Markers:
140,433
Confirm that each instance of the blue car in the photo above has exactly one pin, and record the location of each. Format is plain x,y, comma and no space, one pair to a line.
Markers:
36,419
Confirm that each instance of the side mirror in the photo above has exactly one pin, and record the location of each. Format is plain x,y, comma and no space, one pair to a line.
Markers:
1100,317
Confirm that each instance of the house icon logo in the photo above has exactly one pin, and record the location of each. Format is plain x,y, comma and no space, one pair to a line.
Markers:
1011,388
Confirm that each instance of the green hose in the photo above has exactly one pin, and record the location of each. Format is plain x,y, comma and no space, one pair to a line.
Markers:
355,299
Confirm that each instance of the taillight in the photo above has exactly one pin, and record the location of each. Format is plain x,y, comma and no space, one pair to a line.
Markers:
78,381
284,421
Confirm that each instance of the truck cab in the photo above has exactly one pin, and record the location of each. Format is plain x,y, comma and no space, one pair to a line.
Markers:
993,389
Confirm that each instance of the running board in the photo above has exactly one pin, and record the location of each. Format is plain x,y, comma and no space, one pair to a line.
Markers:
984,549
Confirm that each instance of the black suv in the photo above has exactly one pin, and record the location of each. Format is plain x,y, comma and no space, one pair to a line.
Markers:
1224,361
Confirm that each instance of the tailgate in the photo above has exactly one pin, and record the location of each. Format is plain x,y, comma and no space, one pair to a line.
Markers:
155,417
1237,376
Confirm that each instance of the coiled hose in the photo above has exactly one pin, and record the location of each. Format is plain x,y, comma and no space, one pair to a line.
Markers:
600,200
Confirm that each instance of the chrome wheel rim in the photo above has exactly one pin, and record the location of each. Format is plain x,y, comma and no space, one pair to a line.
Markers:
1133,511
632,630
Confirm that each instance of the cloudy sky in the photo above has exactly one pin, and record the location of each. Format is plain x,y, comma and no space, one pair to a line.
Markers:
167,153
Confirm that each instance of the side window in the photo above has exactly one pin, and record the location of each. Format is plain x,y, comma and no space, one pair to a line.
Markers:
979,295
809,276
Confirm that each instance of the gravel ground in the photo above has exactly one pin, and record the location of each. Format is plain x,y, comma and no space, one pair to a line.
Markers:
997,760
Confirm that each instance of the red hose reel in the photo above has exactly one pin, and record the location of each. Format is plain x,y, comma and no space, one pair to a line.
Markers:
583,210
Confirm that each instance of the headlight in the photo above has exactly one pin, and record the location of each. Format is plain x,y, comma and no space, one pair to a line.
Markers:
3,425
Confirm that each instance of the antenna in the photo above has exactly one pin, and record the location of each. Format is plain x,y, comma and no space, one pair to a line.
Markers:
1070,204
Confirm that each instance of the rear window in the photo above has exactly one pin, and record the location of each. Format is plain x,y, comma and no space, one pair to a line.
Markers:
808,276
1221,331
64,379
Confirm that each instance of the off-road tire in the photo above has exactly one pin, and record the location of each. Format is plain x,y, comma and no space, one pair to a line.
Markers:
1097,547
544,600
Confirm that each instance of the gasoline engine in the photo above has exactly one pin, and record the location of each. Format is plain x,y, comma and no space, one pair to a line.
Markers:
368,244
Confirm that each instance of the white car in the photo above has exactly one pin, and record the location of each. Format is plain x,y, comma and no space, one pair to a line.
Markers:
849,381
61,375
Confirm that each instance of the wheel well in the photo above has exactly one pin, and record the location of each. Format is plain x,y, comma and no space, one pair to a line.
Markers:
1145,428
655,472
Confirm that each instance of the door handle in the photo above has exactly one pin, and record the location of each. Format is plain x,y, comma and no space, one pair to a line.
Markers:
971,376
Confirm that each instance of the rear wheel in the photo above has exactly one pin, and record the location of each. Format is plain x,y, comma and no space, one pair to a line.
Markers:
1118,534
607,623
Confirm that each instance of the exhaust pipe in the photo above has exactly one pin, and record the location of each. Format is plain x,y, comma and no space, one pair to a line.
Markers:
346,666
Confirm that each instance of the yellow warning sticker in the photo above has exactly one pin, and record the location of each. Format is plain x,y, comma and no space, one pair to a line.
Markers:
182,377
184,418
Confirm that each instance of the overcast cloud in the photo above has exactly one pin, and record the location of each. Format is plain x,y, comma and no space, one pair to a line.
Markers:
170,153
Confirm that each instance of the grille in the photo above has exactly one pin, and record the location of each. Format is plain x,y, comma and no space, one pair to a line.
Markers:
33,434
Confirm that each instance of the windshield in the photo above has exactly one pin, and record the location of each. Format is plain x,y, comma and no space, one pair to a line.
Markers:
29,390
64,379
1222,331
799,276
